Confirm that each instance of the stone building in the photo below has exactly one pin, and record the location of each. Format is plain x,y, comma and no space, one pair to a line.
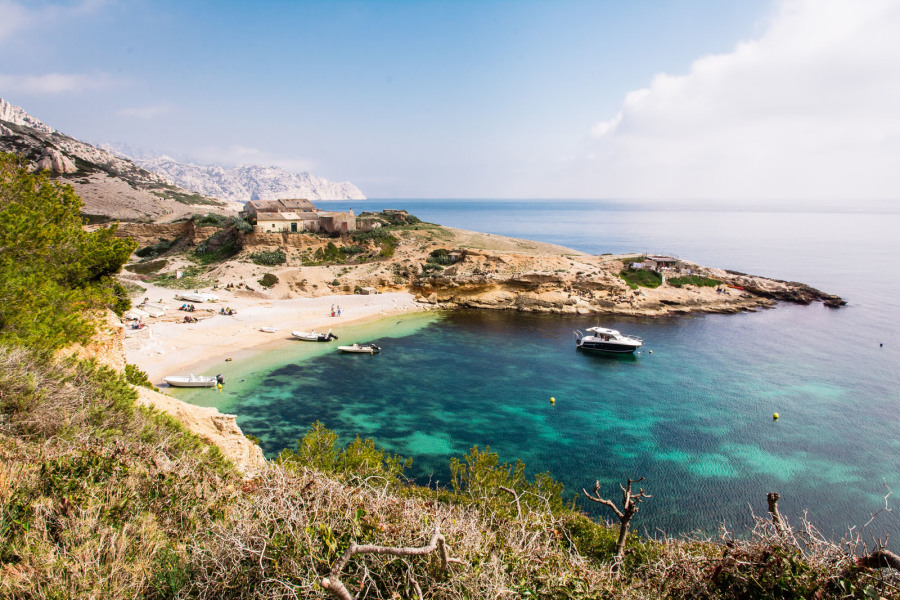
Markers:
295,215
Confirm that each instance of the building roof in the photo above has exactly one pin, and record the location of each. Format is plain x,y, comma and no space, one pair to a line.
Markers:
662,258
287,216
288,205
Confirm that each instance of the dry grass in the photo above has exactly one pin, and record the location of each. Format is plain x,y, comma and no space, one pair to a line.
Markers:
104,500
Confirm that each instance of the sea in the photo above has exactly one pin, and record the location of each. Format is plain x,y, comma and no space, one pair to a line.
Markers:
692,413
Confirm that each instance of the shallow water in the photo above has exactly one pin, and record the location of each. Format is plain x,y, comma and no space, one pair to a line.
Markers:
694,417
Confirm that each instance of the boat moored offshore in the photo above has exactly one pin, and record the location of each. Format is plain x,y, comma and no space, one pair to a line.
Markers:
600,339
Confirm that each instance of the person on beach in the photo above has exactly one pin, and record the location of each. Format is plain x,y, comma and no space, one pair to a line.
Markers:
332,310
339,310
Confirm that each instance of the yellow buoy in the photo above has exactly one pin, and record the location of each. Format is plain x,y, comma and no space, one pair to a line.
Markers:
219,386
552,400
774,416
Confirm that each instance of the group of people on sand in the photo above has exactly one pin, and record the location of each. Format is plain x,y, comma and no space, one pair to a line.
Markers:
190,319
333,308
227,311
187,307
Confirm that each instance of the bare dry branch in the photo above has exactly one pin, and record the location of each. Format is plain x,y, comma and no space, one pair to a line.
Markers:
880,559
516,496
334,585
772,498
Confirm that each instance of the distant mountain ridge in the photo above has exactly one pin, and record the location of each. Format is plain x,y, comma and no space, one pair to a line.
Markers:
249,182
111,187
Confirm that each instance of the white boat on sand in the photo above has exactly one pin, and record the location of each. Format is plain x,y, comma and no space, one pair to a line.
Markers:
196,297
610,341
193,380
314,336
360,349
268,329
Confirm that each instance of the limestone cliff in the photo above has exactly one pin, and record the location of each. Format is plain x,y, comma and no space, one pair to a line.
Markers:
108,348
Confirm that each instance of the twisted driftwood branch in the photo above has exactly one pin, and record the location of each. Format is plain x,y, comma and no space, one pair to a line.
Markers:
333,584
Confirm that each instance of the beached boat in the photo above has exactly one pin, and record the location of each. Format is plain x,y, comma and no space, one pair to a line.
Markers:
600,339
360,349
196,297
193,380
314,336
154,309
268,329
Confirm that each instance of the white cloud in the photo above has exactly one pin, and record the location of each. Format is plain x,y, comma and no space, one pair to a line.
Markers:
809,110
55,83
147,113
24,18
13,17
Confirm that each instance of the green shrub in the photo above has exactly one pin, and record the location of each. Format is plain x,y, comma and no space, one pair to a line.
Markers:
636,278
220,246
268,280
318,449
481,475
210,220
696,280
269,258
145,268
440,256
381,237
192,279
135,376
160,247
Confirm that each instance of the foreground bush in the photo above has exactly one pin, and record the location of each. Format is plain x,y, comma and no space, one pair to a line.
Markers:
53,274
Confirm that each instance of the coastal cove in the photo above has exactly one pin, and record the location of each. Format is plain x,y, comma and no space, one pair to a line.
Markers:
694,417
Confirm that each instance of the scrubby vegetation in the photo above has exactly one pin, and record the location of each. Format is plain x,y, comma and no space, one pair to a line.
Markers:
192,277
636,278
696,280
269,258
220,246
154,250
380,237
268,280
114,500
145,268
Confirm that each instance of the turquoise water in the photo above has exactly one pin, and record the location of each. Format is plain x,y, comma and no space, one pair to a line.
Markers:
694,417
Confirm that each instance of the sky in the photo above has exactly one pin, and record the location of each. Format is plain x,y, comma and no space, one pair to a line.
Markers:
713,100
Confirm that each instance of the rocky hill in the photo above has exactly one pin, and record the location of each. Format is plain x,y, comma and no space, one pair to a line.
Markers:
249,182
111,187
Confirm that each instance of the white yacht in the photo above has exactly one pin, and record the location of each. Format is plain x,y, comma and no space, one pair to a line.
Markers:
600,339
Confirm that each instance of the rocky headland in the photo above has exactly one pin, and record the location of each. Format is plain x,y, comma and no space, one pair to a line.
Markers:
451,268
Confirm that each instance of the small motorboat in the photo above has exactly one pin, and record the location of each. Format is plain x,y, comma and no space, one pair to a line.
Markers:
268,329
314,336
360,349
196,297
600,339
194,380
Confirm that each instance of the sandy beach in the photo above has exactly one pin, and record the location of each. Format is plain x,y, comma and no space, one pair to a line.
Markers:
168,346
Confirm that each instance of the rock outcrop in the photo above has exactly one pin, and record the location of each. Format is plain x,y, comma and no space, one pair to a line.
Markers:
111,187
55,162
208,423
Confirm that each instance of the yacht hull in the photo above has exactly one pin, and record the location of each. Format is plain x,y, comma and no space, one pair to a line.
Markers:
607,348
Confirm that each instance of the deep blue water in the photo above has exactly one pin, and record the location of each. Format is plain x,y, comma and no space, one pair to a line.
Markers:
694,417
